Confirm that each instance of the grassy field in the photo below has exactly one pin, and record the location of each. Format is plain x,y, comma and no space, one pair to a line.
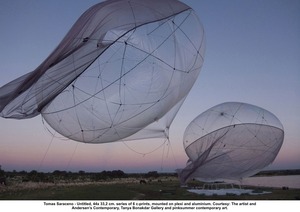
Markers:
129,190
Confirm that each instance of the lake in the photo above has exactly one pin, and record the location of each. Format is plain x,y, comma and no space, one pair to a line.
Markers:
291,181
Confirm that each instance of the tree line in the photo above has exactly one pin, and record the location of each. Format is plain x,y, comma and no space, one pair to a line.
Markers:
57,175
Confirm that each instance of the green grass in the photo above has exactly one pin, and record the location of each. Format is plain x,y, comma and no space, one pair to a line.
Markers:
168,190
82,192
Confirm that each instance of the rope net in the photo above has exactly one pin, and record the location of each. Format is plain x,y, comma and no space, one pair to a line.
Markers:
122,72
231,141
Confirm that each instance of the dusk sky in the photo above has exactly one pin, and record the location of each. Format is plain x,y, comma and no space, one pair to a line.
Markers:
252,56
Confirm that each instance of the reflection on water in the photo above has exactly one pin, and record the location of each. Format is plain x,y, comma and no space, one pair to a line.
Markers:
291,181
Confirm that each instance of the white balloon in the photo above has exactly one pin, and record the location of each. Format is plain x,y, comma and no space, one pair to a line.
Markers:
232,140
123,66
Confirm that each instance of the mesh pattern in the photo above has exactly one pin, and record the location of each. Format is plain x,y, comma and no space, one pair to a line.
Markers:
123,66
231,141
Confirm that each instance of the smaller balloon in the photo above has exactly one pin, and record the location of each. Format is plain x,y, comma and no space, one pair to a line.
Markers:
232,140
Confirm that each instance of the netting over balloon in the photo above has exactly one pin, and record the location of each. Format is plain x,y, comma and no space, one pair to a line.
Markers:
231,141
123,66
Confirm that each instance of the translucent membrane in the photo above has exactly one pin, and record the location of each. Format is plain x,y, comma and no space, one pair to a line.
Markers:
231,141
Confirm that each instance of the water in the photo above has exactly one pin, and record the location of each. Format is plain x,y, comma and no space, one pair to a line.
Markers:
291,181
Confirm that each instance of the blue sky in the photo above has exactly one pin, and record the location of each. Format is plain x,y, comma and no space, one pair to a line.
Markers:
252,56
